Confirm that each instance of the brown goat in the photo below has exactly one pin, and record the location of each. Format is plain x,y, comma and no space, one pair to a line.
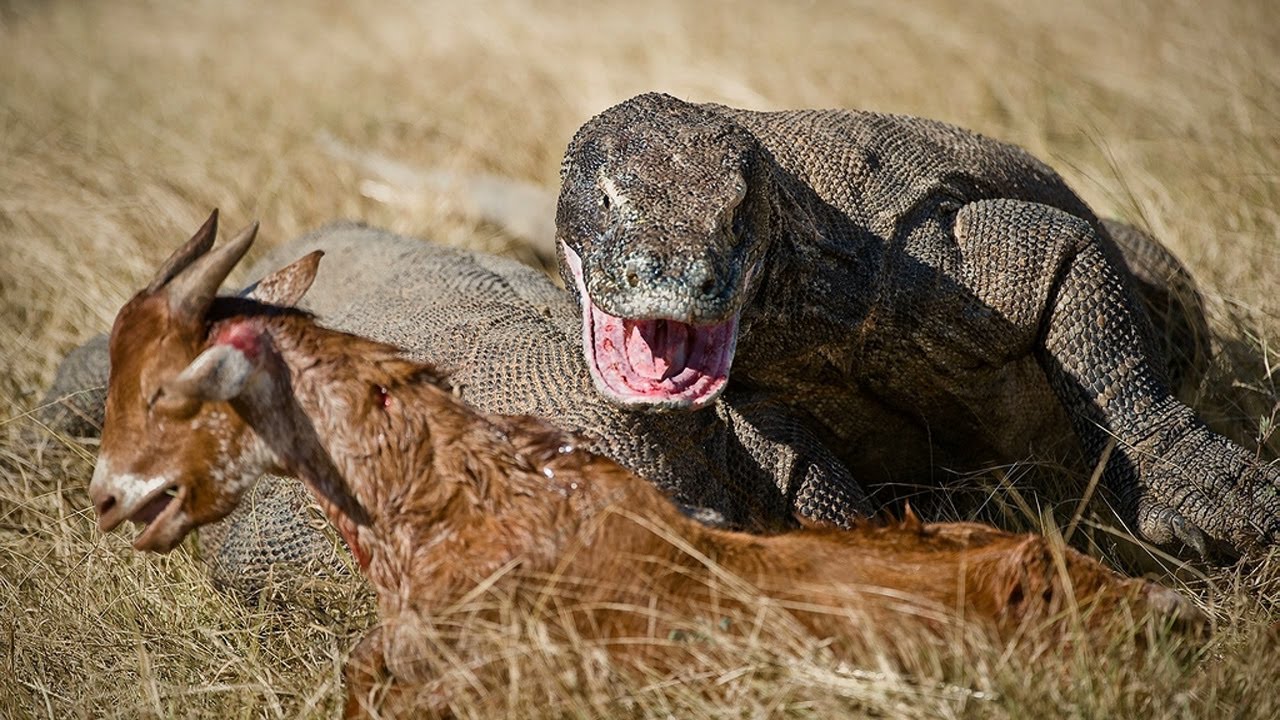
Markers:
437,500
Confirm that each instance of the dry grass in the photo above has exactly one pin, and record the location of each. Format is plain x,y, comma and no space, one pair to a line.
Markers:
122,123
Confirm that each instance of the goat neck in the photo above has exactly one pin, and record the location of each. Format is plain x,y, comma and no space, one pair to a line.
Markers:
413,479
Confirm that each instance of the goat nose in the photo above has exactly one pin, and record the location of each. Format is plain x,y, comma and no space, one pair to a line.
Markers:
104,501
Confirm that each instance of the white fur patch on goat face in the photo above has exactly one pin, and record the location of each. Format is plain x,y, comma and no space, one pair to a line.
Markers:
232,474
128,489
120,496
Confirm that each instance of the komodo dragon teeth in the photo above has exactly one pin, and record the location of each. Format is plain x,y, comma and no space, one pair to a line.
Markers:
654,362
929,297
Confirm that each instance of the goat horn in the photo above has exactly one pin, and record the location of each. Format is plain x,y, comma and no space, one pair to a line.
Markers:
198,245
911,521
193,290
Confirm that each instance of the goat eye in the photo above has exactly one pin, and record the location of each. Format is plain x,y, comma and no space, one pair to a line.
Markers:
172,405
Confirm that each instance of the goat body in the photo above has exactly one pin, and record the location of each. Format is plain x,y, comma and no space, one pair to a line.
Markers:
440,502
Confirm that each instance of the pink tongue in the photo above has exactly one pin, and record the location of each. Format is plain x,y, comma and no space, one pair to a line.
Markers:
657,348
663,363
660,362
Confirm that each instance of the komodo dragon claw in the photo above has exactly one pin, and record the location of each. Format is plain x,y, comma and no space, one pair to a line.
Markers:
1189,535
1167,527
1208,494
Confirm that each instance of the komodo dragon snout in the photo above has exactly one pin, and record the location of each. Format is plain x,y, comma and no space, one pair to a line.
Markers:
662,270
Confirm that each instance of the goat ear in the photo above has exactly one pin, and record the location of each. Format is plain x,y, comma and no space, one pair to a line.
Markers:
286,286
192,290
192,249
219,373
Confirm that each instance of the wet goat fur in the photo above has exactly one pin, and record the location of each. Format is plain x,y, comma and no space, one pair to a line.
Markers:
439,500
458,497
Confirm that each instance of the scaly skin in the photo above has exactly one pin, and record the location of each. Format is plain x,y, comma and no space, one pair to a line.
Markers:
509,338
484,316
930,297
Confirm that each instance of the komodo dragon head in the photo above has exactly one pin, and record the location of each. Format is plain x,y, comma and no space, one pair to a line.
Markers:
662,225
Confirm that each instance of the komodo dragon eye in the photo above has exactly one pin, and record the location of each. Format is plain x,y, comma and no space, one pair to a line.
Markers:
605,201
740,223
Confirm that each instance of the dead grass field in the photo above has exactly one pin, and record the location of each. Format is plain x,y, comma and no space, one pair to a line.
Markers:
123,123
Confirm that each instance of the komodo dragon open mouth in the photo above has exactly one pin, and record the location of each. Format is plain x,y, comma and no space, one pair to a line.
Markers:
654,362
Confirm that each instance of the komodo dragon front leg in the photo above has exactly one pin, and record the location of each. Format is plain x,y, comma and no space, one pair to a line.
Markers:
769,435
1046,271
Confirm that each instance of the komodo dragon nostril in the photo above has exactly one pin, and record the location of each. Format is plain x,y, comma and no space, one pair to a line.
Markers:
640,266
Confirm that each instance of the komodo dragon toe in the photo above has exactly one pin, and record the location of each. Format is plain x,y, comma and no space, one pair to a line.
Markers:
1202,491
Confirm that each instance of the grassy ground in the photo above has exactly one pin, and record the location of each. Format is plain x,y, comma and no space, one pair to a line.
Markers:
122,124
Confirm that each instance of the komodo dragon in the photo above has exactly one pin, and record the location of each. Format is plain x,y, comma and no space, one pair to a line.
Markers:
512,340
508,336
926,296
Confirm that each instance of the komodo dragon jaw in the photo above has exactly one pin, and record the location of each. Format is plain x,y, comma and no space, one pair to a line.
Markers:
657,363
